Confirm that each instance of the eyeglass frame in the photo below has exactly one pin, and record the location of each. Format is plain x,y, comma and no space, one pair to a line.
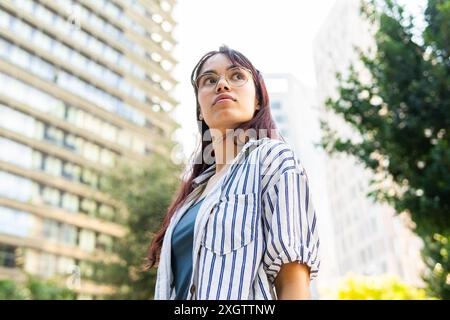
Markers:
220,77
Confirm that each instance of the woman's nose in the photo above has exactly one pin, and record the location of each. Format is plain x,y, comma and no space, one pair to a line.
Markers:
222,84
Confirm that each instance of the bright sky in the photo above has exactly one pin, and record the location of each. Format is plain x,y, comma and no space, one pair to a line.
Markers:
275,35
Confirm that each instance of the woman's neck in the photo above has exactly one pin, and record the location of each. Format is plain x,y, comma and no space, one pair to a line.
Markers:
225,150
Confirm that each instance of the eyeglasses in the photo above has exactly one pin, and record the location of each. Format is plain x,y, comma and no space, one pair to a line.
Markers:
236,77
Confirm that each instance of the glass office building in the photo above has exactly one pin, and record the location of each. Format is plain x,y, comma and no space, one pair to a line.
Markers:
83,84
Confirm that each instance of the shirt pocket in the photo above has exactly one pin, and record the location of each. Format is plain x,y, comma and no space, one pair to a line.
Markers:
231,224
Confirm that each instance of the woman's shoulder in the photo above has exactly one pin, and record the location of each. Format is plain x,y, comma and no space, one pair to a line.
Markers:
277,151
278,157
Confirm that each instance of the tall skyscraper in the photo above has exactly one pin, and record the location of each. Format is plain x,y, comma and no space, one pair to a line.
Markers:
295,110
369,237
84,84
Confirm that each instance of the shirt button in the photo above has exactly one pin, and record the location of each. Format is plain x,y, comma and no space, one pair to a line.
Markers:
193,289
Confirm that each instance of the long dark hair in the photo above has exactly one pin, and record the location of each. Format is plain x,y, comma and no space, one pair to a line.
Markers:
262,121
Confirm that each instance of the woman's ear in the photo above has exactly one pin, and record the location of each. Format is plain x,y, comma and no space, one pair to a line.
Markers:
257,105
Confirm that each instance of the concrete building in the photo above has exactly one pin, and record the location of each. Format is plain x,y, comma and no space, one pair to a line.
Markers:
83,85
295,110
369,238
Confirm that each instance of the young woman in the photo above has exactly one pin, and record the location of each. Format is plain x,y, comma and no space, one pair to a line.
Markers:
243,225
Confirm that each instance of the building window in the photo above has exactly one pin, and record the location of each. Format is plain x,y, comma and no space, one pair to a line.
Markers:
4,19
78,60
89,178
107,158
52,166
108,132
81,37
112,10
44,15
96,22
70,142
42,68
47,264
124,138
62,51
73,116
7,255
59,232
50,230
111,54
276,105
92,123
37,160
5,47
53,135
16,121
19,57
68,234
70,202
62,25
51,196
87,240
15,222
42,40
89,206
17,153
91,151
66,265
71,171
22,190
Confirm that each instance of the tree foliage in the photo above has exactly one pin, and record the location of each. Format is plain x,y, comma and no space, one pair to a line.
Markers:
402,116
146,192
35,288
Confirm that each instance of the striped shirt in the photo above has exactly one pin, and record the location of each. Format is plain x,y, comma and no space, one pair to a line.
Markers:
258,217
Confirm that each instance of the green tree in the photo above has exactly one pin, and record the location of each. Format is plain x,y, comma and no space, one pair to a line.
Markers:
10,290
403,117
35,288
51,289
146,193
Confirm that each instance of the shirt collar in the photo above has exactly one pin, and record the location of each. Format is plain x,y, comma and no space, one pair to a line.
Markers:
205,175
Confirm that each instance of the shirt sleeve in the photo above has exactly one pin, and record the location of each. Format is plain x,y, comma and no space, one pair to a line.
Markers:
289,215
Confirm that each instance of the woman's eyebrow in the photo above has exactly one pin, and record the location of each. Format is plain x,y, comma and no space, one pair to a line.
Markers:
228,68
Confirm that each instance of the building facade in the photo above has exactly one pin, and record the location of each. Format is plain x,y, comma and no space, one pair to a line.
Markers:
295,110
84,85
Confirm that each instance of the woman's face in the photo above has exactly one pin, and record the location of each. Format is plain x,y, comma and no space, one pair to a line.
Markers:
226,113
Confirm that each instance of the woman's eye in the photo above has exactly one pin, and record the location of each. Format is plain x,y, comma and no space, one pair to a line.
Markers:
238,75
210,80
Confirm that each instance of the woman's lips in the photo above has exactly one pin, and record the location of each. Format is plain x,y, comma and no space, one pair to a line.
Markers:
222,100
